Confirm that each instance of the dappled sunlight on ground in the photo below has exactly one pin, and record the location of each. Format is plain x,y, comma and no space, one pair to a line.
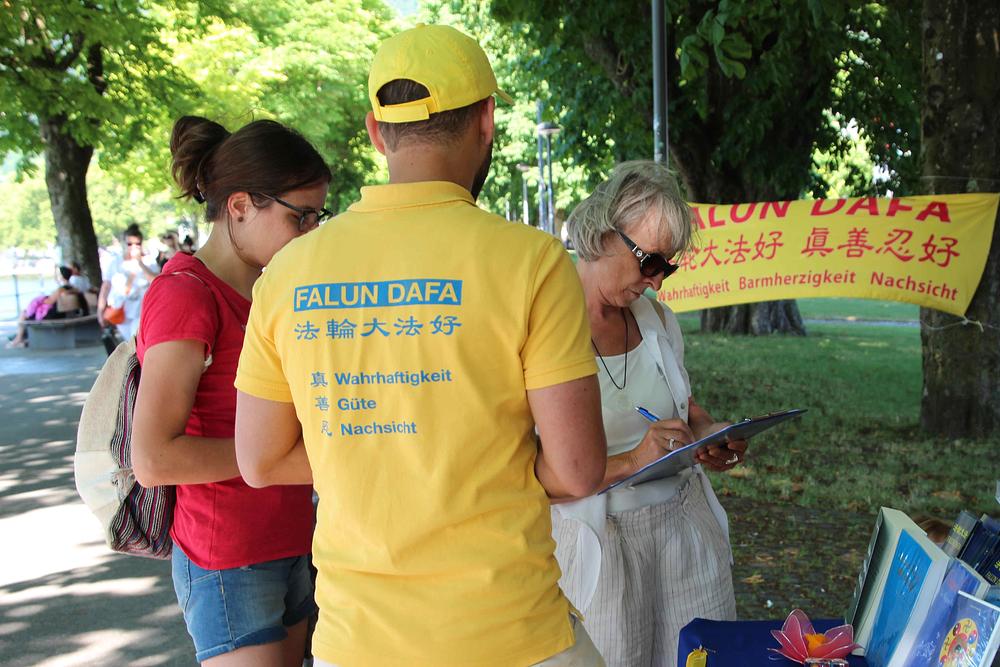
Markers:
78,542
65,599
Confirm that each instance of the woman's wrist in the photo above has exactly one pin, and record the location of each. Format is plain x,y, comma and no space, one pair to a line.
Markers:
621,466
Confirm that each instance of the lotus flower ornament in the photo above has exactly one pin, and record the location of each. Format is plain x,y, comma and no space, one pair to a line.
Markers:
799,640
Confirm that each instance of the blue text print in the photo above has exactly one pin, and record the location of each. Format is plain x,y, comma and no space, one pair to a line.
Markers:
416,292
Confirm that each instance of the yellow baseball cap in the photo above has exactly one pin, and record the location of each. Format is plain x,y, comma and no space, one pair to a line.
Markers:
448,63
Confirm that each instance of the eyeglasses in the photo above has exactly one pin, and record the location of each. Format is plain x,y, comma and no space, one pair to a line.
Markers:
309,218
650,263
131,243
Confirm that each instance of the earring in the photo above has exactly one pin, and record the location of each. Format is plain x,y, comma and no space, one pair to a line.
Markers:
239,219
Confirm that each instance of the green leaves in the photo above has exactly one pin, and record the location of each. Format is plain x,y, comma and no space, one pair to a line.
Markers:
751,87
122,72
693,59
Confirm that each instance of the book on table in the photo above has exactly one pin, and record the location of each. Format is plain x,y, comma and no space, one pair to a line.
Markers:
916,571
959,533
959,577
991,569
907,592
984,539
874,569
982,551
973,634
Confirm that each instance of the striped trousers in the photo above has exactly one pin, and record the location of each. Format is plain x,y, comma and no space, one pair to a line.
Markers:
662,566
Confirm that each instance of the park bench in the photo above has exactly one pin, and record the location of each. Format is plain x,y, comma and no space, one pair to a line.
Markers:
67,332
63,334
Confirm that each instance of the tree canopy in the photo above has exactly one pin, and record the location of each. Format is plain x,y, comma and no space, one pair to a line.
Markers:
106,69
79,79
751,86
759,95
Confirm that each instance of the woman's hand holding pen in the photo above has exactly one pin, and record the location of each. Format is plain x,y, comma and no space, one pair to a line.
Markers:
716,457
662,437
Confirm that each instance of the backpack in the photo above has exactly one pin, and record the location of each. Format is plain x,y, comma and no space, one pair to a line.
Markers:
136,520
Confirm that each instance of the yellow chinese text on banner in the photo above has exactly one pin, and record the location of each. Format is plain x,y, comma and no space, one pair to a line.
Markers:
928,250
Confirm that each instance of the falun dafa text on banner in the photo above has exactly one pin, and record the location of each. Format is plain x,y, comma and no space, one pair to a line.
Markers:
928,250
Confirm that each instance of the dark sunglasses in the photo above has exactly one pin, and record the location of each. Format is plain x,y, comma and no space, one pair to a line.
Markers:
309,218
650,263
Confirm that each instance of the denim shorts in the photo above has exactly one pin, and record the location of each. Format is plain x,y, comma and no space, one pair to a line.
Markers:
242,606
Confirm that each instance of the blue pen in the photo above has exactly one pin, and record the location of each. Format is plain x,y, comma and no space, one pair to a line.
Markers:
646,413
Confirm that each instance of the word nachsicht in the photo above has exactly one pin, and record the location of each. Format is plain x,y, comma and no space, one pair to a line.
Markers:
909,284
379,428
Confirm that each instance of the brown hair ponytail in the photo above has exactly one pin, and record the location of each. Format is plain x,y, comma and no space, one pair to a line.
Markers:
209,163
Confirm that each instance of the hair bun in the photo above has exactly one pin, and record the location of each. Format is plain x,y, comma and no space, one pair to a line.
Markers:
192,143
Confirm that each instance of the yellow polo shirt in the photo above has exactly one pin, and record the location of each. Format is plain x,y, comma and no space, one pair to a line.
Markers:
406,332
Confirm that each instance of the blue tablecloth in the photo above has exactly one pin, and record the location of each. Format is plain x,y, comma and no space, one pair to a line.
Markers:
742,643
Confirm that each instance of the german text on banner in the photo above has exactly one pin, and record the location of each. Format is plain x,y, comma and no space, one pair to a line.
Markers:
928,250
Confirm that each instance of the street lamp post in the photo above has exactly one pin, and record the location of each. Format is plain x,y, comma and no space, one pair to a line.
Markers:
542,217
524,169
661,149
547,130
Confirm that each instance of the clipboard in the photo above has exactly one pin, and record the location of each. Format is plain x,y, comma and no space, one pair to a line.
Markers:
685,457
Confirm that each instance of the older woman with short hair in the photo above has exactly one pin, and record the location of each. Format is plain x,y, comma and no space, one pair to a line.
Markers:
642,562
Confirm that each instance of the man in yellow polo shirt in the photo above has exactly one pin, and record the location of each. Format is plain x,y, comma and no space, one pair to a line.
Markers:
419,341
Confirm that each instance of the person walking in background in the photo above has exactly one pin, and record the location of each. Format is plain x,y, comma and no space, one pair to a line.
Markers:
420,340
642,562
125,283
240,557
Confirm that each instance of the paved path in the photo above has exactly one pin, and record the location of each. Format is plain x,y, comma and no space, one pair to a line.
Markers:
65,599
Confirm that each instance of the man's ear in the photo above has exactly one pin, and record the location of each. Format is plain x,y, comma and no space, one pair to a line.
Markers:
487,126
374,133
238,205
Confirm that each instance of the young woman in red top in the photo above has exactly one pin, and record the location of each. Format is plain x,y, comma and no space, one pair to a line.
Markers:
240,557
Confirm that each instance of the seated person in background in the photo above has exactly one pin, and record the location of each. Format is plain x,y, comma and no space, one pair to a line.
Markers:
65,301
77,279
642,562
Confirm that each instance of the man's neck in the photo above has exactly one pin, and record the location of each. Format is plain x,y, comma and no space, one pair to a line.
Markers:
418,163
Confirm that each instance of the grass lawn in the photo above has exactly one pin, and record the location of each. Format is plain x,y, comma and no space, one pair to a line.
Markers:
858,309
802,508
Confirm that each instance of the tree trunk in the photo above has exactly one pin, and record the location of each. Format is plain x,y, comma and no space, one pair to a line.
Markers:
756,319
690,156
66,164
961,153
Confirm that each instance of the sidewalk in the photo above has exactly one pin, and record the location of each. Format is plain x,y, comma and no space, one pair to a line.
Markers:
64,598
